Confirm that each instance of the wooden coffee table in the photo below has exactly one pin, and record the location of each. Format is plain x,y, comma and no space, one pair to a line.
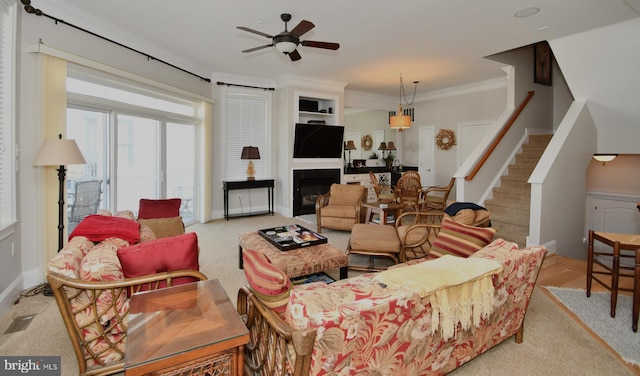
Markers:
189,329
373,209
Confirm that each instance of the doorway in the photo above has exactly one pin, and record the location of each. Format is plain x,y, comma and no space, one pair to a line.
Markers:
426,156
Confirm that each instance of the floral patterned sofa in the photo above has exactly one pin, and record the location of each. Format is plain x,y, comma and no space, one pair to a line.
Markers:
105,261
362,326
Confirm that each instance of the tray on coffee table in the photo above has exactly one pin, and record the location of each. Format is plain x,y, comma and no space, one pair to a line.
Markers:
290,237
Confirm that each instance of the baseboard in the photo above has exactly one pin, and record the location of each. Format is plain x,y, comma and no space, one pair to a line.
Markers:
9,295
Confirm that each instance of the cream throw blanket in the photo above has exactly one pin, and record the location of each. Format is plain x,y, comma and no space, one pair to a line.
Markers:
461,289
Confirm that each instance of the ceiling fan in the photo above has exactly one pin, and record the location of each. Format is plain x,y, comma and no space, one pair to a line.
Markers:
287,41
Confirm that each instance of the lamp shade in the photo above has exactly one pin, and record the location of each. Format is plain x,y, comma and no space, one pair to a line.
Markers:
391,146
59,152
250,152
383,146
350,145
400,122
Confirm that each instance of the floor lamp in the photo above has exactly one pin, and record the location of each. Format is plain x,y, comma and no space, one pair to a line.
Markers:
59,152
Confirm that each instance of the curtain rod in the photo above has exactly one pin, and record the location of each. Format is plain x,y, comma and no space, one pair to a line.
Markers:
247,86
30,9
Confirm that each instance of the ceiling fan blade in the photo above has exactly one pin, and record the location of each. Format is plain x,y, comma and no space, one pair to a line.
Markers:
302,28
295,55
325,45
258,48
254,31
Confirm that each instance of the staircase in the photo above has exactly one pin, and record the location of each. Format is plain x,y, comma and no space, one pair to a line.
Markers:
509,206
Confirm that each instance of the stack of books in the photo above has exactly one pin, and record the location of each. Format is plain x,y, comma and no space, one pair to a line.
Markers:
390,219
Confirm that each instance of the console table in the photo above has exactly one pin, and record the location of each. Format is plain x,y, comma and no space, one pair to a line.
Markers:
247,184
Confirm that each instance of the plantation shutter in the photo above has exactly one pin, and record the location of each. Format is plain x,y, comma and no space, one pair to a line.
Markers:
246,117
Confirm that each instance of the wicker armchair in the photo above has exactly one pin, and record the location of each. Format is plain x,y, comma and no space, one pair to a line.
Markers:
340,209
268,352
408,193
435,198
98,333
384,193
416,231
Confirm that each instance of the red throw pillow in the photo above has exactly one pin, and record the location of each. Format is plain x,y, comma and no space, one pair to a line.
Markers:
160,208
161,255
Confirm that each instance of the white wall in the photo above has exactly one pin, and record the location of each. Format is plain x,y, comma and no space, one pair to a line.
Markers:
446,113
558,185
601,67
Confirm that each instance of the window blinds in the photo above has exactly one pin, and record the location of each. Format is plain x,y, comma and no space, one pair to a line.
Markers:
246,125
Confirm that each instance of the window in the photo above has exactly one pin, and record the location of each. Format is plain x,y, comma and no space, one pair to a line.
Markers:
140,143
246,124
7,116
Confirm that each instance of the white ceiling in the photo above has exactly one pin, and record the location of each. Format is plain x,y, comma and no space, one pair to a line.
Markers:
440,43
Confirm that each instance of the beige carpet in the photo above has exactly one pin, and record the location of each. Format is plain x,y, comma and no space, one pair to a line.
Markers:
554,344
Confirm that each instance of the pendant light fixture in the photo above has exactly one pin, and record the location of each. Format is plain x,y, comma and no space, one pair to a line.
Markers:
401,121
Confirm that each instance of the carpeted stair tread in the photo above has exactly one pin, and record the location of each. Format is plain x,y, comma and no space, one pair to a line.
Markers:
500,194
510,231
514,183
510,202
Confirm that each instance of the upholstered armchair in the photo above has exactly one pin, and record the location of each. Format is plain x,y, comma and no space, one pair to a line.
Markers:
340,208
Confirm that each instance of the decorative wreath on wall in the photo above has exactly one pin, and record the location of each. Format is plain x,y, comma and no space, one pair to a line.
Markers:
367,142
445,139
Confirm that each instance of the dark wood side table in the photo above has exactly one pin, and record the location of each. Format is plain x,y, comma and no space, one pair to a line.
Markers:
248,184
189,329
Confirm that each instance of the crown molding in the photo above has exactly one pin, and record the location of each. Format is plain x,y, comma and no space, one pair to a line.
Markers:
310,83
495,83
242,80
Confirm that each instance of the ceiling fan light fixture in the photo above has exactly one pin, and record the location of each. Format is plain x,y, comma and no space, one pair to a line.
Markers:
286,47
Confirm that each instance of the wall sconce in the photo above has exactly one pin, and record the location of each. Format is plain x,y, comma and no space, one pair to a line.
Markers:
250,152
604,158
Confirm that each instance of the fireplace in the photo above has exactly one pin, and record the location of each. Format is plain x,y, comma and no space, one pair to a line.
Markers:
308,185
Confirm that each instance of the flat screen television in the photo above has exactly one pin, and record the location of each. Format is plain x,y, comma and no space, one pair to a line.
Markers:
318,141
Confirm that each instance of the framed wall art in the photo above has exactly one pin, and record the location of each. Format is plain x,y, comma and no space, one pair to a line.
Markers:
542,63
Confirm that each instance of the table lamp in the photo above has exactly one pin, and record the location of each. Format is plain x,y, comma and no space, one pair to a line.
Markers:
250,153
349,146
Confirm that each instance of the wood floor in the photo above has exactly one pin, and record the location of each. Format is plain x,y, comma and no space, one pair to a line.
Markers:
560,271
